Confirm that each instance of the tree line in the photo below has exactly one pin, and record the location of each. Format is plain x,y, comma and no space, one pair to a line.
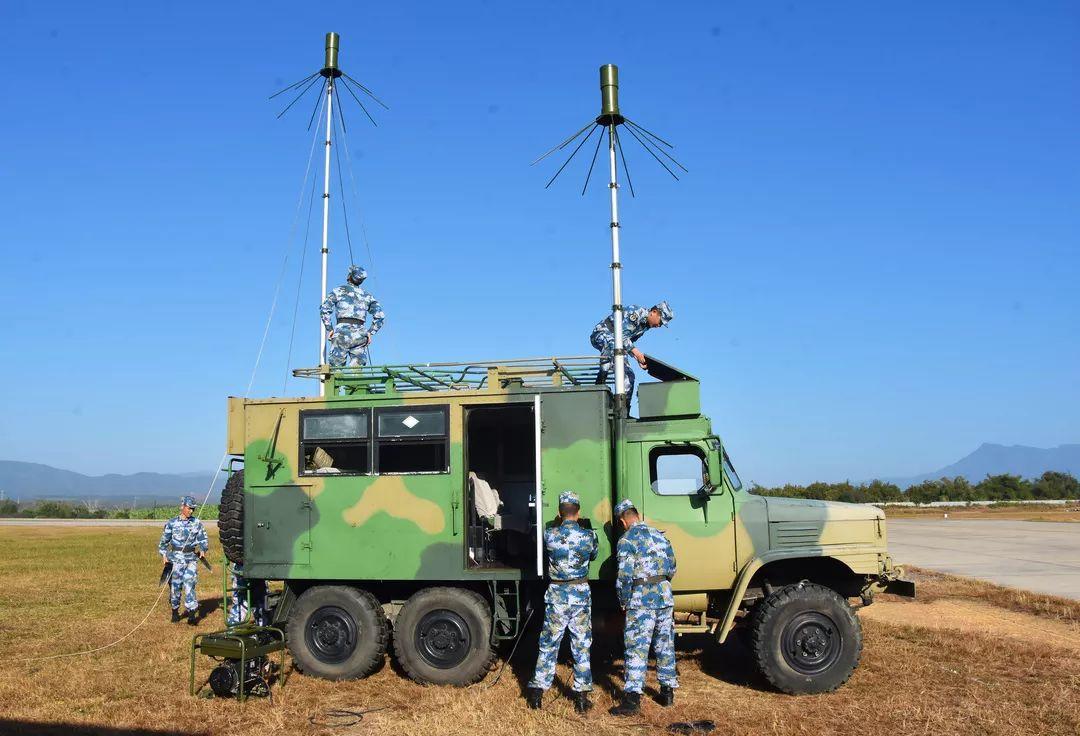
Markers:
1051,485
91,510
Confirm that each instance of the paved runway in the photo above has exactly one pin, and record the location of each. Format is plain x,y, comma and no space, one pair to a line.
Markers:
1043,556
91,522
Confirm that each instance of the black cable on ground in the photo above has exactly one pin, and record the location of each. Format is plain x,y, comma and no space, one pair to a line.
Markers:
513,649
341,717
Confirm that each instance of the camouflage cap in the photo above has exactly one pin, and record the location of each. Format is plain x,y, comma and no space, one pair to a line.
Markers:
188,501
623,506
666,312
357,274
569,497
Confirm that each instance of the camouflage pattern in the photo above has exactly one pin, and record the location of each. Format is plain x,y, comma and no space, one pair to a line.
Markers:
635,323
348,341
243,589
645,627
180,540
411,527
644,553
570,549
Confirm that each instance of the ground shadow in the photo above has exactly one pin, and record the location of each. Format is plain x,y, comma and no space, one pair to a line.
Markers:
31,728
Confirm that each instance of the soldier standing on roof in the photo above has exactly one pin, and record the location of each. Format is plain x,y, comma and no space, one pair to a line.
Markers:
636,320
183,542
646,565
349,337
568,604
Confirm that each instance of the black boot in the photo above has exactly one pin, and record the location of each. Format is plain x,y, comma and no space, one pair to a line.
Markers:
175,616
193,617
582,702
667,696
533,697
630,705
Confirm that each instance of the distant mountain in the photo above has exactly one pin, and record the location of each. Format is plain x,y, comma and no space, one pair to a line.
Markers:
990,459
34,480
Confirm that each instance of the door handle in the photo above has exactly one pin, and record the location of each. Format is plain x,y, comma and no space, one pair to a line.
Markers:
263,525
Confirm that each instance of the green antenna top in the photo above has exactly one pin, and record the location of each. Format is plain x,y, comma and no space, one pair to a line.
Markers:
331,67
609,95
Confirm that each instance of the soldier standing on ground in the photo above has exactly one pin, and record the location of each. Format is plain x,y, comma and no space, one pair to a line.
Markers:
245,591
349,337
568,604
183,542
636,320
646,566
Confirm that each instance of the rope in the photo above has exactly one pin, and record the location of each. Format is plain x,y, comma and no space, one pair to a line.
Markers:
341,717
217,472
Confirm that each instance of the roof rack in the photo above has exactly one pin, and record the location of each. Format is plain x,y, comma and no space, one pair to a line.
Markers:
470,376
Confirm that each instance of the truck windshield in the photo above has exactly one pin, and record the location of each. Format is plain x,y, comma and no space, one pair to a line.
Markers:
729,470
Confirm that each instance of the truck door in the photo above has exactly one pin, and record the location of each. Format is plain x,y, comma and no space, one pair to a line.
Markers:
680,500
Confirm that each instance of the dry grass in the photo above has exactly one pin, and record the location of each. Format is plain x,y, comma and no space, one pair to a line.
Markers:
933,586
69,588
1018,512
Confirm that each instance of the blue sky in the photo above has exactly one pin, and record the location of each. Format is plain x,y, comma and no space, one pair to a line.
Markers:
873,260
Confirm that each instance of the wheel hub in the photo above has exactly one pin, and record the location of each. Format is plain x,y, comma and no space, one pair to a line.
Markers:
811,643
443,639
332,634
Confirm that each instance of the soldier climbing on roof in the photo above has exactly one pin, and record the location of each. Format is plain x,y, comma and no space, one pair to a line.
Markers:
349,337
636,321
568,604
183,542
646,566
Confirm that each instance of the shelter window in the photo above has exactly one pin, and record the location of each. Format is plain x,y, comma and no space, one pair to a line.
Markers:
412,440
336,442
676,471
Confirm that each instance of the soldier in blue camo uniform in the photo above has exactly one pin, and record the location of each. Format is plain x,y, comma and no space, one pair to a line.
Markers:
183,542
636,320
570,549
243,590
646,566
349,337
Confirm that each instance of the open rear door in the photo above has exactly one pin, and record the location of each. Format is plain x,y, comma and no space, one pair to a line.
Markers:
538,498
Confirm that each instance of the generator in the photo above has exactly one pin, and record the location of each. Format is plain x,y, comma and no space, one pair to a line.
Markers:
245,660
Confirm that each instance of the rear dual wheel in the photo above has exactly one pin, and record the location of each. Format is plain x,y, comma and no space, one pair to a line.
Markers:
442,636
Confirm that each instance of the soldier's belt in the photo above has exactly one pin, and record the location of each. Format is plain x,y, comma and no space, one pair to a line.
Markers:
575,581
183,548
350,321
651,579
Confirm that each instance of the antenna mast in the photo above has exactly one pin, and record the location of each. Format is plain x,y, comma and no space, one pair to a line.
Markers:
331,75
609,120
331,72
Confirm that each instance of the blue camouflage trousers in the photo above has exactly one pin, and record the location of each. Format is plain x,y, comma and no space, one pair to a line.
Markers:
604,341
645,626
558,617
185,574
348,346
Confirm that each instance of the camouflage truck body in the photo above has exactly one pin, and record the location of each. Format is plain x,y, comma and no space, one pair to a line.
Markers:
369,486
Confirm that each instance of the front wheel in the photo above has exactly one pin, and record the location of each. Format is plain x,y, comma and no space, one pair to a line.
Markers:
806,639
442,636
337,632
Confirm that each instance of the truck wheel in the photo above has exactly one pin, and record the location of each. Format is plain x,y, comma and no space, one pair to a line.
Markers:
337,632
806,639
231,518
442,636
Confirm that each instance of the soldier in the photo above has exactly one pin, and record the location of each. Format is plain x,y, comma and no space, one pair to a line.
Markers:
636,320
243,592
568,604
349,337
646,565
183,542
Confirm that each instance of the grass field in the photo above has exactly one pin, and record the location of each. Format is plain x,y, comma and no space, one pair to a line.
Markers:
966,658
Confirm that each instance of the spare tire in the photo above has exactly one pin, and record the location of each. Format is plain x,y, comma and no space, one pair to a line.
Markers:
231,518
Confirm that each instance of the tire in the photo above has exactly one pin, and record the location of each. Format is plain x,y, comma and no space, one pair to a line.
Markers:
442,636
231,518
806,639
337,632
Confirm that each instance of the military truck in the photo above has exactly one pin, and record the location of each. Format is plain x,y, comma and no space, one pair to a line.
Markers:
408,504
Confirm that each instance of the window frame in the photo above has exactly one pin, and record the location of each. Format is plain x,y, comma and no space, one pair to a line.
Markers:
377,441
369,441
658,451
